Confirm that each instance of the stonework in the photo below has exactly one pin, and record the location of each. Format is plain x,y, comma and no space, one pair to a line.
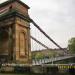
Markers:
15,32
22,40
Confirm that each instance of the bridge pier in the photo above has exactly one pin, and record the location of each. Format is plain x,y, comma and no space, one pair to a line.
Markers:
45,69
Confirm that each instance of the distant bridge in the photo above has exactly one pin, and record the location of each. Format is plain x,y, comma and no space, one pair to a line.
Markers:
51,60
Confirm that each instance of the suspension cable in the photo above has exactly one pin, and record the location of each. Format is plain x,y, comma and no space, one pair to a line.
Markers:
39,42
46,35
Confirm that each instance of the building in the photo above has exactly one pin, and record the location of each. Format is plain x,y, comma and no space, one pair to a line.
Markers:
15,43
48,53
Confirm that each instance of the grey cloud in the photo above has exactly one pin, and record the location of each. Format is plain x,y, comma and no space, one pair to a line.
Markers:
56,17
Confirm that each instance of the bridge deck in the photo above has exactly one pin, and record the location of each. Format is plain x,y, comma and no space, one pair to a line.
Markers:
42,61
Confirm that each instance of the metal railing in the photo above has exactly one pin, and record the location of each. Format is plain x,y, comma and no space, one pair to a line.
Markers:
49,60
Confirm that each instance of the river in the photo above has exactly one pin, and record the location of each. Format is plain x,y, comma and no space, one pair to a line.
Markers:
39,74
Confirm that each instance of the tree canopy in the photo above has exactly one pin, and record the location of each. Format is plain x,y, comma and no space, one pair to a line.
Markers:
39,56
71,45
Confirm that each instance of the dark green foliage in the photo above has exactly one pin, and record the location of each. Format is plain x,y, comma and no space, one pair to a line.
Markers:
71,45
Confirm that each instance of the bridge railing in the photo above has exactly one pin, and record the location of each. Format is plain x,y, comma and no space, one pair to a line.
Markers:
50,60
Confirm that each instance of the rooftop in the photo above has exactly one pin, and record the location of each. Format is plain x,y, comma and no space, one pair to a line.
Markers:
11,1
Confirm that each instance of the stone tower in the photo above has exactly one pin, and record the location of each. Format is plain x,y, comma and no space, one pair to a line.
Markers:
15,43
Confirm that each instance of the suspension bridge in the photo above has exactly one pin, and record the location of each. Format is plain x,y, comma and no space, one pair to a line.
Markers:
39,38
49,60
19,35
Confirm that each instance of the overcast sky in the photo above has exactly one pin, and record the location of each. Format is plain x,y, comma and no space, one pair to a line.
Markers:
55,17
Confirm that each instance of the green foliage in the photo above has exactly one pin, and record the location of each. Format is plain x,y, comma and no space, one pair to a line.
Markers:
52,54
42,55
39,56
71,45
33,55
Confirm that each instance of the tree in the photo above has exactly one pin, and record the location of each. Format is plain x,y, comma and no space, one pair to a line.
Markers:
33,55
52,54
39,56
71,45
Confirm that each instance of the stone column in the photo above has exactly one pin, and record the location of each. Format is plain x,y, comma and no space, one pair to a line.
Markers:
10,44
